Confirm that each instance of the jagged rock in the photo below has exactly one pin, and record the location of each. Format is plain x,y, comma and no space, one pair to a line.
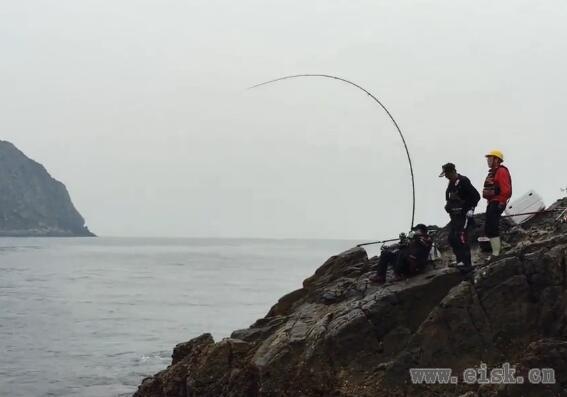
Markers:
541,354
32,203
183,350
341,335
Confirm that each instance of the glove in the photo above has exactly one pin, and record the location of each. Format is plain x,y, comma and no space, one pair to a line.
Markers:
470,213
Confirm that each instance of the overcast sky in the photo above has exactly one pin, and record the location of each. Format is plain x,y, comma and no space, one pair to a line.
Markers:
140,107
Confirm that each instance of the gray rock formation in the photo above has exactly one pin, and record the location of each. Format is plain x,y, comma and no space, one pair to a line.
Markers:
32,203
341,335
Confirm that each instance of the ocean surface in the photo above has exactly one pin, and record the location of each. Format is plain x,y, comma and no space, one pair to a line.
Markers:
93,317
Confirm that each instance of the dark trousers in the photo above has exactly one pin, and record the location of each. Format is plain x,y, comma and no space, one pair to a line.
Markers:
493,214
398,260
459,239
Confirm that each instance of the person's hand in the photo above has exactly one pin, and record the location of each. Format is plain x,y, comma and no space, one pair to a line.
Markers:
470,213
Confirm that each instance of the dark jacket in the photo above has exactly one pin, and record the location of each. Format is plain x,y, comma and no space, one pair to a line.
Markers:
409,256
461,196
419,248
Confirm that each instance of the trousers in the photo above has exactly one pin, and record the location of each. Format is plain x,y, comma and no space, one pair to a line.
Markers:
459,238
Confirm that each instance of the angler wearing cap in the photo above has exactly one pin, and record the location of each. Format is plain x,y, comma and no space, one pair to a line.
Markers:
462,198
497,192
408,257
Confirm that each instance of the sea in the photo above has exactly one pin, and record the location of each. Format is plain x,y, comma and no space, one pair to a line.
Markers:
95,316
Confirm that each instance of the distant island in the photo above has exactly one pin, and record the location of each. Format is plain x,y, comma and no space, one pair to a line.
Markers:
32,203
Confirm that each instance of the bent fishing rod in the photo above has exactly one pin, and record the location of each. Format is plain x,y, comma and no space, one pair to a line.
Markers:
328,76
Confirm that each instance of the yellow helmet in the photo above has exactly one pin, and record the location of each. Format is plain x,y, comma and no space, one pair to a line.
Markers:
497,154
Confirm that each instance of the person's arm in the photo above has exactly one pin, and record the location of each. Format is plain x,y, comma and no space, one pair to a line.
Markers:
502,178
447,199
424,241
472,196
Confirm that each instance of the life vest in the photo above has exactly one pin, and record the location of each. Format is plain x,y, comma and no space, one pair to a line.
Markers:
491,189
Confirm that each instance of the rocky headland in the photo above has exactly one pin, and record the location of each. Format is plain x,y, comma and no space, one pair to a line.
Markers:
32,203
341,335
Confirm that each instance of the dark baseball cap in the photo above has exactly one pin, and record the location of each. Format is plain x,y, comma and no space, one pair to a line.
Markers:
449,167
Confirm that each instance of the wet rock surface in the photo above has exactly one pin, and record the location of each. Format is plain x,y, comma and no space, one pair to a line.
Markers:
342,335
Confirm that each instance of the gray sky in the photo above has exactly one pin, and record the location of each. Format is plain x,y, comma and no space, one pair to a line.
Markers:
140,108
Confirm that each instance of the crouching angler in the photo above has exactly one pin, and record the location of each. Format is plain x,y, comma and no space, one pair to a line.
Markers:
407,257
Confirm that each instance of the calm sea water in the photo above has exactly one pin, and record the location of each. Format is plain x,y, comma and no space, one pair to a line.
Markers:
93,317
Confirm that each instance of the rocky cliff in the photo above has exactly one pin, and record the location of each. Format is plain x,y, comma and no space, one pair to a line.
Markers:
341,335
32,203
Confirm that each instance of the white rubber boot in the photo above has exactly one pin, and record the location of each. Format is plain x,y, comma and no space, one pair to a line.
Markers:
496,245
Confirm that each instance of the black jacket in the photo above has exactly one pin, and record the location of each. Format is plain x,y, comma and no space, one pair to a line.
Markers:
461,196
419,248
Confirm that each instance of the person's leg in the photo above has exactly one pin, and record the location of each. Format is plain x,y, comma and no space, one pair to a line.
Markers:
452,240
456,238
492,226
387,258
496,245
467,260
401,267
466,248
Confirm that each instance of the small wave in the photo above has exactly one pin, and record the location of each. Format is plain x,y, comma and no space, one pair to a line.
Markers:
113,390
154,357
12,248
118,354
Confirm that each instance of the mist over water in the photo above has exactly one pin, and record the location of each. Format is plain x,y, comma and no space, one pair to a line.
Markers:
93,317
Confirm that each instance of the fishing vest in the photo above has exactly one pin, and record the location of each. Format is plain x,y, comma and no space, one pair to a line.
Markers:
491,189
455,203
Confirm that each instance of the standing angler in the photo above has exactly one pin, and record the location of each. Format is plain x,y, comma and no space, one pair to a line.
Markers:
497,191
462,198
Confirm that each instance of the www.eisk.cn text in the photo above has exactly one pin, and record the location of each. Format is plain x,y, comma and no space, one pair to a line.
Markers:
505,374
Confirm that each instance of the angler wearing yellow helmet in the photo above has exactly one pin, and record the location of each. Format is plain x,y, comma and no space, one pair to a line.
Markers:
497,191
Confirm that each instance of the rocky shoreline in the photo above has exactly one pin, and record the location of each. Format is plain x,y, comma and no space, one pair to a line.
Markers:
341,335
46,232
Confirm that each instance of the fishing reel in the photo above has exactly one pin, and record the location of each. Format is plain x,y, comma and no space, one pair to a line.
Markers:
404,239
